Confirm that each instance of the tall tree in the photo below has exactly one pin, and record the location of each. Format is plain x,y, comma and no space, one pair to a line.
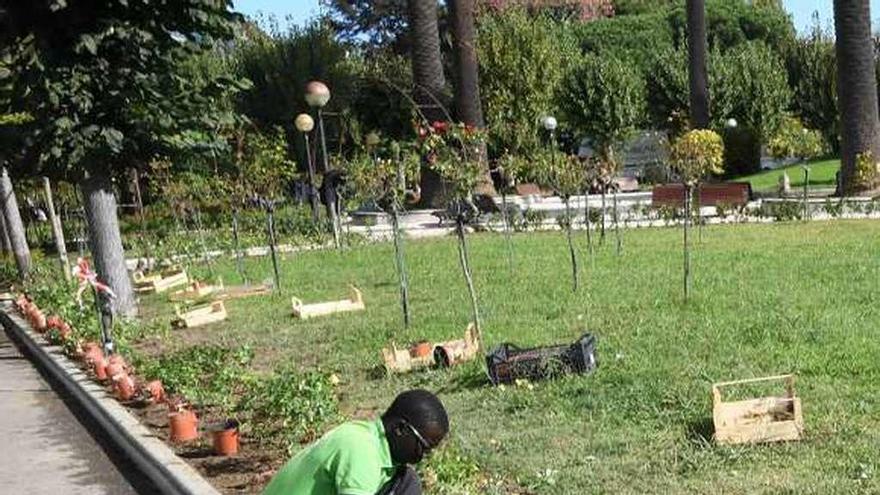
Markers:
467,85
101,81
697,71
429,82
857,95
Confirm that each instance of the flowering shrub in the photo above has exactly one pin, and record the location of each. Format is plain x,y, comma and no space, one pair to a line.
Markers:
696,154
453,151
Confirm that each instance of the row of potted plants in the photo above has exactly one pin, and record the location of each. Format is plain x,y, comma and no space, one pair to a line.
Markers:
112,370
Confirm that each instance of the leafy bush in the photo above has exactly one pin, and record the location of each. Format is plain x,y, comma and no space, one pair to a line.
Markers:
290,405
205,375
793,140
697,154
605,100
523,59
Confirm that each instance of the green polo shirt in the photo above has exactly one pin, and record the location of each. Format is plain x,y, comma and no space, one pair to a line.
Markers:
352,459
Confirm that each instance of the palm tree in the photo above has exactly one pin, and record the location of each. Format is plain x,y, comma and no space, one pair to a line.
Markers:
467,87
468,108
698,76
429,83
857,93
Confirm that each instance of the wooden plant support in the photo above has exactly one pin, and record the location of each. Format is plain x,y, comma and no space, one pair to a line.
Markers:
196,290
202,315
160,282
355,302
763,419
447,353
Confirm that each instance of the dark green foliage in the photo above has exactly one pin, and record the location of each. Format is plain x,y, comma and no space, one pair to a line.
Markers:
634,38
733,22
812,72
523,60
290,405
205,375
105,80
605,99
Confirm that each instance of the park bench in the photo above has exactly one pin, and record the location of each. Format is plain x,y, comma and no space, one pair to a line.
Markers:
712,194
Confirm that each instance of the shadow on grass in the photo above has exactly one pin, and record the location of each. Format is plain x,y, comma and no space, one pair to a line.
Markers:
700,432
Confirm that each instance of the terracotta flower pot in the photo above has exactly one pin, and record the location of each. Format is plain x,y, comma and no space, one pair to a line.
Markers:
115,364
123,385
155,390
421,349
184,426
92,352
100,368
226,439
112,369
64,333
39,321
53,321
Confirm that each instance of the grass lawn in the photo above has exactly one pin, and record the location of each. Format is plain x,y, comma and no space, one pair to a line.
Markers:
822,174
767,299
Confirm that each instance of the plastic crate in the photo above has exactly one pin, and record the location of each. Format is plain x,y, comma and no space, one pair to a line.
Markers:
507,363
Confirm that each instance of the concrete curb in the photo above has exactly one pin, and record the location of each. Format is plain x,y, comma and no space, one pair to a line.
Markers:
155,459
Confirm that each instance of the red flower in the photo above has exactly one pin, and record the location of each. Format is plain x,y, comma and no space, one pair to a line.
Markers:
440,127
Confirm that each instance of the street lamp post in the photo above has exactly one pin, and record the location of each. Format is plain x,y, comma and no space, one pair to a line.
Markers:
317,95
305,124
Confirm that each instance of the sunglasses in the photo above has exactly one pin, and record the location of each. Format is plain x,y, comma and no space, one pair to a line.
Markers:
424,444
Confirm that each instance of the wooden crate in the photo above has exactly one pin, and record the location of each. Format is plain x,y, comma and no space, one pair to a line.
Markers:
160,282
201,315
447,353
355,302
196,290
240,291
763,419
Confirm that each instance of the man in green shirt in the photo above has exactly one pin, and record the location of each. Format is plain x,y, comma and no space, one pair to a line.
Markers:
369,457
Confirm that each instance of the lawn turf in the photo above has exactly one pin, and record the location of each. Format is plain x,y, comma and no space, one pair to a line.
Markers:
766,299
822,174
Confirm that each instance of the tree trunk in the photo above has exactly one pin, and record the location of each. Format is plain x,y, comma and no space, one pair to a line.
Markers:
616,222
429,82
587,221
602,224
506,215
468,107
687,252
4,236
569,219
857,94
57,231
697,73
466,269
401,264
236,245
14,227
105,240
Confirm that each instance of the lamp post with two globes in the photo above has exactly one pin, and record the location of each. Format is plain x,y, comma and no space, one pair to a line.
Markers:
317,96
305,124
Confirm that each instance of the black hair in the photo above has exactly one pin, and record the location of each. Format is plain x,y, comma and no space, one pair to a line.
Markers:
420,408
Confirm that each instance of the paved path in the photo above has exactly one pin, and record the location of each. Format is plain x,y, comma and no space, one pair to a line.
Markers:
44,449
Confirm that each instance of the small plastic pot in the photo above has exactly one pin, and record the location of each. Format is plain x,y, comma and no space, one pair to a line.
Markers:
184,426
123,385
421,349
226,439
